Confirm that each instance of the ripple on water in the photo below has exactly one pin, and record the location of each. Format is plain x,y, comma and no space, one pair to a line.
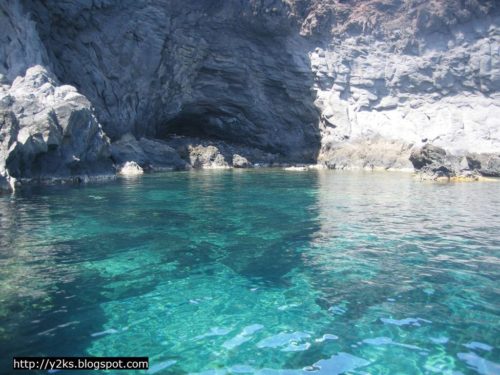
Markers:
261,272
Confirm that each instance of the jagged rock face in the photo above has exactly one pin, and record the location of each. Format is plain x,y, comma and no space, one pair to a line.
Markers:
47,130
9,128
149,154
51,129
432,162
347,83
231,70
412,72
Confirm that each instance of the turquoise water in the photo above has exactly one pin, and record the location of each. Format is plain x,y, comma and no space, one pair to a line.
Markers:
266,272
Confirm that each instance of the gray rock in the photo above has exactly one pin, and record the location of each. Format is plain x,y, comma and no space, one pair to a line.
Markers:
9,128
492,167
149,154
240,162
201,153
376,153
160,155
406,71
433,162
50,131
127,148
206,157
427,156
473,161
223,70
192,83
485,164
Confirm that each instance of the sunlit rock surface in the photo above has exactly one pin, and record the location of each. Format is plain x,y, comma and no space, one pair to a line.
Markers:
412,73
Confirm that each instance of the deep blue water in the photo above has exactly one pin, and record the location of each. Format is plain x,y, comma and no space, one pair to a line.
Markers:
256,271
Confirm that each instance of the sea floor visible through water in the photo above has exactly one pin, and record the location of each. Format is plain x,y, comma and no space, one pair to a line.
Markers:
256,272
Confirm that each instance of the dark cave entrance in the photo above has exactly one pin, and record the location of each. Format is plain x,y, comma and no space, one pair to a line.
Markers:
210,124
194,125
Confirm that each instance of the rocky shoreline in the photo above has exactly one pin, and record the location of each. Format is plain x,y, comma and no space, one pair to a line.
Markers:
132,157
434,163
94,89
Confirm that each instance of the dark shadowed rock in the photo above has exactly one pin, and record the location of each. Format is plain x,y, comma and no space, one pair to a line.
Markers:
427,156
202,153
235,71
149,154
432,162
127,148
486,164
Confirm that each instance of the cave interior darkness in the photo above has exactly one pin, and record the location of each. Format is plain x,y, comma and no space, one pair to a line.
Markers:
209,123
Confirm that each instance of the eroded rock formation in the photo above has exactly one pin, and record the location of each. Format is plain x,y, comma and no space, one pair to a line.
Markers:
409,72
87,86
237,71
433,163
47,130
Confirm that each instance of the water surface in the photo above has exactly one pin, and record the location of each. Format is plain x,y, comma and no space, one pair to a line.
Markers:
266,272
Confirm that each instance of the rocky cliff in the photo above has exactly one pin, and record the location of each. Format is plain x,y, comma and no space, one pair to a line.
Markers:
398,75
89,85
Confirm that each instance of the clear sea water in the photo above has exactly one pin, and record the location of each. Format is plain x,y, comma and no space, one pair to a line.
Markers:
256,272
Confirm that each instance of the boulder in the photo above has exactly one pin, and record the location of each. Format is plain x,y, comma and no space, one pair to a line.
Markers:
160,155
206,157
492,167
240,162
148,153
432,163
127,148
49,131
130,168
485,164
427,155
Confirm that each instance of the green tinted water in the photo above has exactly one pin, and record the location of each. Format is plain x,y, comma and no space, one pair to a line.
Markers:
267,272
